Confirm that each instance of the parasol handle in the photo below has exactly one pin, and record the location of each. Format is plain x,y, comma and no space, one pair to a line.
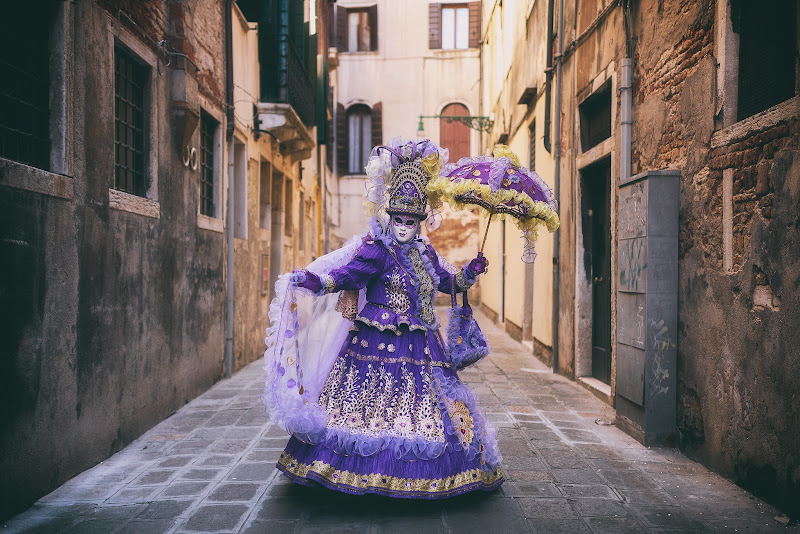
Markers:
485,235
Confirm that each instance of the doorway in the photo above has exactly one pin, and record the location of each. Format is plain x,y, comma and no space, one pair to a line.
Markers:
596,219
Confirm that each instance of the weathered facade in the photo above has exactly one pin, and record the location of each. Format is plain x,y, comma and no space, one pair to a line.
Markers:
713,100
113,185
516,90
398,61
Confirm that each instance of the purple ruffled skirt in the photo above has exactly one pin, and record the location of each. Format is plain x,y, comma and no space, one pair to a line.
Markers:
400,423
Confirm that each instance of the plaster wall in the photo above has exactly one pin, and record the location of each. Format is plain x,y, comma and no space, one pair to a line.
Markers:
126,320
409,79
738,242
521,28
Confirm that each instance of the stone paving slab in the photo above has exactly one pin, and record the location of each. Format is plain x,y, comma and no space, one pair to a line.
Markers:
211,468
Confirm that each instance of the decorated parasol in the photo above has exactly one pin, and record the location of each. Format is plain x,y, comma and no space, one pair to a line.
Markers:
501,187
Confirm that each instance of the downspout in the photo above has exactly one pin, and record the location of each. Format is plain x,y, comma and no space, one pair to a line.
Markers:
626,89
229,230
557,180
627,122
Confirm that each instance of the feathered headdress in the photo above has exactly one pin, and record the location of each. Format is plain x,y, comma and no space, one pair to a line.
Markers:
399,173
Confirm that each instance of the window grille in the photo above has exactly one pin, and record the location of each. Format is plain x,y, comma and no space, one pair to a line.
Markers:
129,83
208,127
766,57
25,85
595,116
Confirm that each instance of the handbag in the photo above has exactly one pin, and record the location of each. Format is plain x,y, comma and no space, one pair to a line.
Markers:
466,342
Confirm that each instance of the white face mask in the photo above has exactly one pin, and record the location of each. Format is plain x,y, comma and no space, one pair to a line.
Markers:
404,228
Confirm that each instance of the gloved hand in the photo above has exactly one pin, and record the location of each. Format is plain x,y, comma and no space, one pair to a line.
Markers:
478,265
306,279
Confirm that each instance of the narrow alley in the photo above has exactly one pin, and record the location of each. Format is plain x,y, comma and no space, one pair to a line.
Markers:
210,468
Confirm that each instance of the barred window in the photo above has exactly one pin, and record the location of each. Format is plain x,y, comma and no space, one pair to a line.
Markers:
129,95
25,84
595,117
767,58
208,126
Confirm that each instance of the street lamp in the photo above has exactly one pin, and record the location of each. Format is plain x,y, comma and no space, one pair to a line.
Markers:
480,123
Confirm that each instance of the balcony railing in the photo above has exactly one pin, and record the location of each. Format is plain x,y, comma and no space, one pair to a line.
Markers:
284,78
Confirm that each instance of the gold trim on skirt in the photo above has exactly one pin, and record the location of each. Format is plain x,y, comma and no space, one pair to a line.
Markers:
388,483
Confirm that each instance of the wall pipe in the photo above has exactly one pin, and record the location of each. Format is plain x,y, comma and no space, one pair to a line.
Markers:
627,122
557,180
626,89
229,218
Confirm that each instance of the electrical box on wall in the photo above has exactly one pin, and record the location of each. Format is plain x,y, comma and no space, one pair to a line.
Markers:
647,306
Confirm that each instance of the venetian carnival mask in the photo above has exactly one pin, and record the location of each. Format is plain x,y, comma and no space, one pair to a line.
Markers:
404,228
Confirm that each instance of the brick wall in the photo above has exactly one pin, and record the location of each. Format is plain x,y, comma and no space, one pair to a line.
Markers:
751,158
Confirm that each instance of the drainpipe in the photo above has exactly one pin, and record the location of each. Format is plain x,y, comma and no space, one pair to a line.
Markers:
627,122
229,232
557,180
626,90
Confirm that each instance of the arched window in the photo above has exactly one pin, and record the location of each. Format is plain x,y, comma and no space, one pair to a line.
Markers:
455,135
359,137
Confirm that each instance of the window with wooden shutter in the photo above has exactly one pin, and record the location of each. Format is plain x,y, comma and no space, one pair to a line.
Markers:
373,27
434,26
359,137
454,26
361,27
474,24
340,37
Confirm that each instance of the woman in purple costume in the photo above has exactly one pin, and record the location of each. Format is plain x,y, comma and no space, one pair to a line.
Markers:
363,382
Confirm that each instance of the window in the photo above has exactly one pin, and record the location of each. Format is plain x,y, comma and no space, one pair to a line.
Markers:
359,138
767,58
25,84
358,129
357,29
208,127
129,131
455,135
454,26
595,118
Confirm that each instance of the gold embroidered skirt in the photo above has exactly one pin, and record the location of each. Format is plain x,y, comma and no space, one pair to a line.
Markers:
400,423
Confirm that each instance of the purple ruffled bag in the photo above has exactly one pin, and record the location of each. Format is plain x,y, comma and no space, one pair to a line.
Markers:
466,343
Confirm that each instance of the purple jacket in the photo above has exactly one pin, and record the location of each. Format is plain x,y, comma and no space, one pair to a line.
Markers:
401,283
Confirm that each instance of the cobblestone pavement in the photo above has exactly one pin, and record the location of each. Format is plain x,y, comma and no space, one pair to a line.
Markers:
210,468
